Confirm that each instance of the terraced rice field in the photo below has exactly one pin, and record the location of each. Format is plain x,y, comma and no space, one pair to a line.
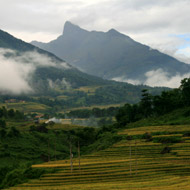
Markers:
129,164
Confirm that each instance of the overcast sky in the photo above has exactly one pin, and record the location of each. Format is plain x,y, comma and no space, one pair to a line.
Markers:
161,24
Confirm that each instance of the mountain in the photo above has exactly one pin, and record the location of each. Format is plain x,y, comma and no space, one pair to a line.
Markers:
40,76
47,67
111,55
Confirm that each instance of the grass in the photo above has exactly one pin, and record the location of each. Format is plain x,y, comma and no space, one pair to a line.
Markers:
88,89
26,107
64,127
92,106
128,164
156,129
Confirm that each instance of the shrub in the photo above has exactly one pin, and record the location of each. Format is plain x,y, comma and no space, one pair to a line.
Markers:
20,175
166,150
147,136
187,134
13,132
167,140
2,123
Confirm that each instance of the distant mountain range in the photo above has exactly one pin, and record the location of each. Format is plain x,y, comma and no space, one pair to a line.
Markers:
111,55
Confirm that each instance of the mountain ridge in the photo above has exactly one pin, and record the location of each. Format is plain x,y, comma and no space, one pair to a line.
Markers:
111,54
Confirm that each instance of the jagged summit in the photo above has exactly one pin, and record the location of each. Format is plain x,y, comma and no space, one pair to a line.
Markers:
69,28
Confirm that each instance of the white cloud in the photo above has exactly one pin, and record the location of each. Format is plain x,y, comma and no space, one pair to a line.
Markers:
125,79
161,78
183,54
148,21
157,77
16,70
13,76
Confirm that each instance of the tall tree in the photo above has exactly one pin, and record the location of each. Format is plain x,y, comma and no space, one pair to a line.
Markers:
185,89
146,103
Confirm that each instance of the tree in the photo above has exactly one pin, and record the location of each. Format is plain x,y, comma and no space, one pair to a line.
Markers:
128,113
18,115
3,133
146,103
167,101
11,113
2,123
185,90
13,132
42,128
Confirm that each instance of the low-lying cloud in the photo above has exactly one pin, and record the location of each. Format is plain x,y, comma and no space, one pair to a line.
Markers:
161,78
155,78
16,69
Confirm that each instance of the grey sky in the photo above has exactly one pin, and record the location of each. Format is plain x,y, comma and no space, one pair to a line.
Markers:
162,24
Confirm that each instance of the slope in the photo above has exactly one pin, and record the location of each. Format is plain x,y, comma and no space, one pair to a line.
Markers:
133,163
47,65
111,55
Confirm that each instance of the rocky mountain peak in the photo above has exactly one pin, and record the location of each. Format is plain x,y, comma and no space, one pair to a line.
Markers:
70,28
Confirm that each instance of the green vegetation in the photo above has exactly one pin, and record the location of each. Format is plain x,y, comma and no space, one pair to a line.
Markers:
72,98
94,112
23,143
138,151
152,108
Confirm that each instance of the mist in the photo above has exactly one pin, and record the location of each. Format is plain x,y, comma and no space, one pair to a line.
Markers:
16,70
159,78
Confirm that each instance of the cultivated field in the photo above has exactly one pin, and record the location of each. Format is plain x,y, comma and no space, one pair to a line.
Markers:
129,164
26,107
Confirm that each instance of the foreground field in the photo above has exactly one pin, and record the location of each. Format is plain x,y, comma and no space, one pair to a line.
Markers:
129,164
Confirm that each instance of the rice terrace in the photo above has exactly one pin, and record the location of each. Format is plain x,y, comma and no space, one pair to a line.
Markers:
135,163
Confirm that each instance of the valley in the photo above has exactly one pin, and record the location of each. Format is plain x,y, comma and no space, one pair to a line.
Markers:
144,147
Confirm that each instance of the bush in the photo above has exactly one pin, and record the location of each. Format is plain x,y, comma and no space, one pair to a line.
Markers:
187,134
104,141
147,136
41,128
2,123
3,133
166,150
13,132
20,175
12,178
167,140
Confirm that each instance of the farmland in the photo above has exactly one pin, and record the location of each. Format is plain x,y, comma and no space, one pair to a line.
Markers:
26,107
135,162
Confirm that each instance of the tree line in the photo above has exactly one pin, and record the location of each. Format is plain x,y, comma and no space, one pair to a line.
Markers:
94,112
156,105
9,114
